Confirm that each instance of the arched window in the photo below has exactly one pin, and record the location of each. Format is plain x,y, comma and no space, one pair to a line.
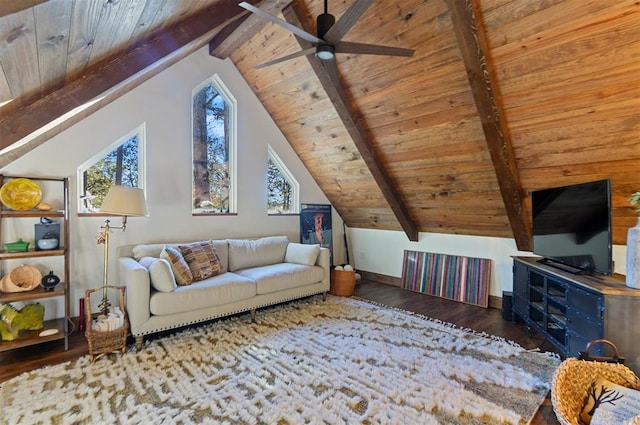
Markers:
214,147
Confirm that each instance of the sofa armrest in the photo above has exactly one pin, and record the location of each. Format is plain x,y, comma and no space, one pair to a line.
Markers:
324,261
135,277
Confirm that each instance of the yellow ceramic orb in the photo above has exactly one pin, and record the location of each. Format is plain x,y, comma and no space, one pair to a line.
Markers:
20,194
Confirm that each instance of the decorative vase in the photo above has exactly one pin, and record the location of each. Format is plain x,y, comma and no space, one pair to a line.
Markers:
633,256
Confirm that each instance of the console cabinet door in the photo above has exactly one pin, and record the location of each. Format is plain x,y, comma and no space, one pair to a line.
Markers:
585,319
520,290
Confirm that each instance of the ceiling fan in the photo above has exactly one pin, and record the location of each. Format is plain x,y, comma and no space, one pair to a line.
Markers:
328,41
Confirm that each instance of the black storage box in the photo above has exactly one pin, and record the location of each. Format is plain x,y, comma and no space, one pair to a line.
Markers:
507,305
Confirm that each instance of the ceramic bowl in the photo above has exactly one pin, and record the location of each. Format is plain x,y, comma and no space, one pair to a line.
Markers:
49,243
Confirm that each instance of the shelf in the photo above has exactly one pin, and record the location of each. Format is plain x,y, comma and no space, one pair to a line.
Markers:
538,306
557,292
558,319
35,294
24,221
27,338
31,214
31,253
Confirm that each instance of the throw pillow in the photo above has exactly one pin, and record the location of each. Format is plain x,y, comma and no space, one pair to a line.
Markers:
202,260
179,266
149,250
302,254
160,272
609,403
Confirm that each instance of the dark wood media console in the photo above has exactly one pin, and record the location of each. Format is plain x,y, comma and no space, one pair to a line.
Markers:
571,310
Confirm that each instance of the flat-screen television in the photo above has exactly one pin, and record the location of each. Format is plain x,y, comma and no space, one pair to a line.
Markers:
572,226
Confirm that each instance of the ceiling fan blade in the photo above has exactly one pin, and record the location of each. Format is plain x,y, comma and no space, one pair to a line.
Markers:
346,21
304,52
371,49
297,31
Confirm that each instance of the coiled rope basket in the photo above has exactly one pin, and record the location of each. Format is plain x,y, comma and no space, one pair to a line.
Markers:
572,379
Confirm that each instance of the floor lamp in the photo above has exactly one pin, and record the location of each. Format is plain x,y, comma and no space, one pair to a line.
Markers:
123,201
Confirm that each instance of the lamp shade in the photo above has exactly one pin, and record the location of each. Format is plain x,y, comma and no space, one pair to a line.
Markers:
123,200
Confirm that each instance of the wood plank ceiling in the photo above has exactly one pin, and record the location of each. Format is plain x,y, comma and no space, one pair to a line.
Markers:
501,97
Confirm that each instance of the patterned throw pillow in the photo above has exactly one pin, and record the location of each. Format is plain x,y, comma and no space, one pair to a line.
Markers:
202,260
179,266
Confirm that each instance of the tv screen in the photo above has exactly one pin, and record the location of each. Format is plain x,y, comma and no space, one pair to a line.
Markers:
572,226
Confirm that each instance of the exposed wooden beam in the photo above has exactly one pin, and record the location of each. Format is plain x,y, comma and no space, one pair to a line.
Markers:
7,7
469,30
31,125
238,32
327,73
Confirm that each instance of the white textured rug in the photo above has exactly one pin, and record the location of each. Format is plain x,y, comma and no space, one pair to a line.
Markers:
339,361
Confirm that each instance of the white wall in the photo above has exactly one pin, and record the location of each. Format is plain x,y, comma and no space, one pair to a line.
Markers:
164,104
381,251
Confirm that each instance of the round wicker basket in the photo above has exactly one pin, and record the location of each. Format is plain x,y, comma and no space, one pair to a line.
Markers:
571,382
20,279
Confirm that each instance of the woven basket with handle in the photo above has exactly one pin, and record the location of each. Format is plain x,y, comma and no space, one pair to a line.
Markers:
101,343
572,379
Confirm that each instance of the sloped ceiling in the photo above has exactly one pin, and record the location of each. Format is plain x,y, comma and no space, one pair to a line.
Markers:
501,97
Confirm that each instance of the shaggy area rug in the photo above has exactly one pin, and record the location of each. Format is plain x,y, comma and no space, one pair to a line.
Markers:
339,361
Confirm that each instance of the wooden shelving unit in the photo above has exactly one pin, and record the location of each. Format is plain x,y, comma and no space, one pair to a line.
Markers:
27,338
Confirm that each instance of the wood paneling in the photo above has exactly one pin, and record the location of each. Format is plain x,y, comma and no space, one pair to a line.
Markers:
566,71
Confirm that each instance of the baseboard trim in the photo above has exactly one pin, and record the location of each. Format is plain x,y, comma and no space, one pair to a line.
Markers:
494,302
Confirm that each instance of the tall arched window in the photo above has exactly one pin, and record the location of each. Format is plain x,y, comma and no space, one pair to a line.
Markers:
214,147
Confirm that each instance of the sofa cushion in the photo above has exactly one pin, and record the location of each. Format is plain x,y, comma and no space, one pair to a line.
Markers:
179,266
302,253
217,290
160,272
148,250
202,259
245,253
278,277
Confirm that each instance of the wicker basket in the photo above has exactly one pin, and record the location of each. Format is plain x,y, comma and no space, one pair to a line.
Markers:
572,379
101,343
343,283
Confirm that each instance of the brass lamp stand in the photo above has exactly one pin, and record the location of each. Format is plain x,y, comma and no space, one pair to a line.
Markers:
123,201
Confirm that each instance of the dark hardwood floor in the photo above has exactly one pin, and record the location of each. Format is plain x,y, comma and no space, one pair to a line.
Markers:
14,362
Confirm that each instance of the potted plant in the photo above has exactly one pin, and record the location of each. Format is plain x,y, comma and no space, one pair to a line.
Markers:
635,200
633,247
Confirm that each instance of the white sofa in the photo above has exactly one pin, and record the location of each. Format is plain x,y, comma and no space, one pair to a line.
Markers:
254,273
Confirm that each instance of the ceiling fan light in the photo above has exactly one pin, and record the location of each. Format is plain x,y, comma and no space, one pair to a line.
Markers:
324,52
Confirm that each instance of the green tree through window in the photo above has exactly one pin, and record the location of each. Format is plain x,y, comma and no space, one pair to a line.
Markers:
282,188
212,149
118,167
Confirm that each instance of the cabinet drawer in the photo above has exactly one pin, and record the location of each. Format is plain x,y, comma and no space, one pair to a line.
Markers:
576,344
588,305
582,325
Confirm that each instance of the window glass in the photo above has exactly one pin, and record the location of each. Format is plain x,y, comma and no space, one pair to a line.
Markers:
213,121
119,164
282,188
